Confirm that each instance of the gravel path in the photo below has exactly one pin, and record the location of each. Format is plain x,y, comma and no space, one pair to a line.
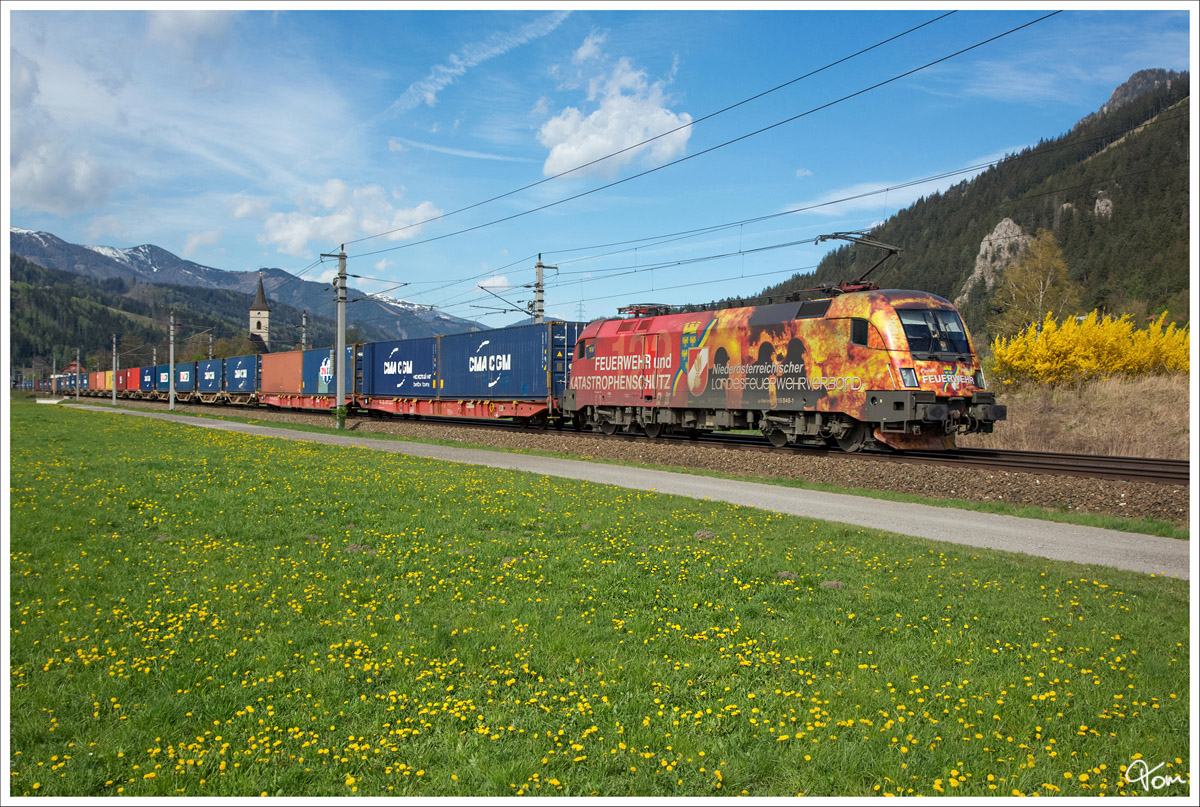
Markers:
1103,496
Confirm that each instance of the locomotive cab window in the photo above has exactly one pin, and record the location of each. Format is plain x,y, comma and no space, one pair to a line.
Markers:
934,333
858,332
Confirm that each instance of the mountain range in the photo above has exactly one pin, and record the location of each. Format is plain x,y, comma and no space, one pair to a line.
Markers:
152,265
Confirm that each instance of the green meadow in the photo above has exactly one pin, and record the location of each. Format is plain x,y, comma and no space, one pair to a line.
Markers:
207,614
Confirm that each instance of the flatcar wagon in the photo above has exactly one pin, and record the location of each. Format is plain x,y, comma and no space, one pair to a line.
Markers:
871,367
519,373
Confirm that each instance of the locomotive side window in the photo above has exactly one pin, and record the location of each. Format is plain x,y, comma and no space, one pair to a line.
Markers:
933,331
812,309
579,349
591,349
858,332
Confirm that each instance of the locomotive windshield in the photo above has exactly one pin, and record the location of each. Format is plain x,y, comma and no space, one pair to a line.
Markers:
935,333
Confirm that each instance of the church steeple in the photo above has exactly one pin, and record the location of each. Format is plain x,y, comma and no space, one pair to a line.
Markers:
260,316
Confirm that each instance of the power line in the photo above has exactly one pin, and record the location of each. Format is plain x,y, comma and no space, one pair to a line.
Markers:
656,137
629,270
712,148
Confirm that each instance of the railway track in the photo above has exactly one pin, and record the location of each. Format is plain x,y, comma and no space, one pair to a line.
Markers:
1141,469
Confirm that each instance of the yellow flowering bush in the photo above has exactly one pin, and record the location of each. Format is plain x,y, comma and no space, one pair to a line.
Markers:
1080,349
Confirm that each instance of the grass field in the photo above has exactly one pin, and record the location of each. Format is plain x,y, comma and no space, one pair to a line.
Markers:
207,614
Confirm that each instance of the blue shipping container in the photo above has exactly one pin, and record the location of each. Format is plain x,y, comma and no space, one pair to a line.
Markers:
208,376
241,374
405,369
163,377
516,363
147,383
185,376
317,374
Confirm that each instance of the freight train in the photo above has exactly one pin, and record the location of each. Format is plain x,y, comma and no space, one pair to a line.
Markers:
867,367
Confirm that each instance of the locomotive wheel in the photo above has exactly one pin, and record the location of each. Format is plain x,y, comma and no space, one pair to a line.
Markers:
853,438
653,430
608,428
778,438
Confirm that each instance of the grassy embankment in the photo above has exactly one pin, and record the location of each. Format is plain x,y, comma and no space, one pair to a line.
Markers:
1144,417
209,614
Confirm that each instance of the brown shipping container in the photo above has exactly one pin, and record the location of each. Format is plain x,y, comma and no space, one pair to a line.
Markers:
282,372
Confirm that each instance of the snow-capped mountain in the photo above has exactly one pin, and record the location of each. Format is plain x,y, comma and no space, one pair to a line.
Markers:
149,264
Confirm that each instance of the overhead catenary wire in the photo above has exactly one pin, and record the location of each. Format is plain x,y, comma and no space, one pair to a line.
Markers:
711,148
643,242
761,218
627,270
659,136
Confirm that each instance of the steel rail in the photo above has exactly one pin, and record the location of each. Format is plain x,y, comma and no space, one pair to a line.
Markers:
1095,466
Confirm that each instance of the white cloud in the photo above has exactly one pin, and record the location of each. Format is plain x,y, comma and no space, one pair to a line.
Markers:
49,172
889,197
630,110
187,30
54,178
105,225
801,173
335,213
383,265
207,238
441,76
91,122
250,207
332,194
399,143
23,81
590,49
496,283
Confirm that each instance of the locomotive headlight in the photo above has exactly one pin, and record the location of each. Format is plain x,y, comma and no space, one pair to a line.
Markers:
980,381
909,376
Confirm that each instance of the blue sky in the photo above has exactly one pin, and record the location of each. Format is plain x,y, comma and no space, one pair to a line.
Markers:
263,138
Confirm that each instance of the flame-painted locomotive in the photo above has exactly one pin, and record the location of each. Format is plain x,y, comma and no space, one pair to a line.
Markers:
865,367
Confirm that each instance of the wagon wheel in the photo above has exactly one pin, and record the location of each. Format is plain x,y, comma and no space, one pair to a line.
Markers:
853,438
608,427
652,430
778,437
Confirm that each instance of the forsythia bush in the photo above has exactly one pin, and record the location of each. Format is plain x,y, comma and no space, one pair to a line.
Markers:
1077,350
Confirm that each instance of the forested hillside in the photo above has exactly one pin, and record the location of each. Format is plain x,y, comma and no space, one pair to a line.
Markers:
1114,193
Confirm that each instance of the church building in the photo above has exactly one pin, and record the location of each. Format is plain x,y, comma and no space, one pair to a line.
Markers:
260,318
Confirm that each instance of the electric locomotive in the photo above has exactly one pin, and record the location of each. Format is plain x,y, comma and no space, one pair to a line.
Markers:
860,368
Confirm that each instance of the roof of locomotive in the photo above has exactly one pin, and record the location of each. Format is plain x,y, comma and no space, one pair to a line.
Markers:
851,304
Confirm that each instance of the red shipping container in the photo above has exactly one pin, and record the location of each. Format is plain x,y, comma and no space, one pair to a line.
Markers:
133,378
96,380
282,372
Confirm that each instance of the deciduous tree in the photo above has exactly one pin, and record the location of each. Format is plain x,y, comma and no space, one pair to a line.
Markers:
1036,285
